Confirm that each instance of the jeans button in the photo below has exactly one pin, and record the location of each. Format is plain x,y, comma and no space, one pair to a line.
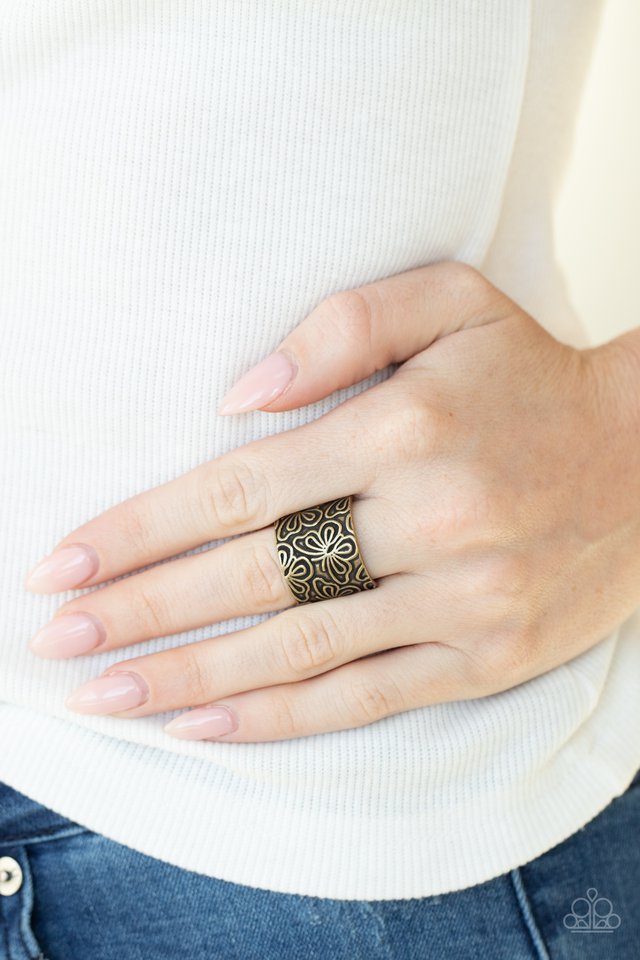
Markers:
10,876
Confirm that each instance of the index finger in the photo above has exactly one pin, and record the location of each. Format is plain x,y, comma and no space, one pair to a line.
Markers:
242,490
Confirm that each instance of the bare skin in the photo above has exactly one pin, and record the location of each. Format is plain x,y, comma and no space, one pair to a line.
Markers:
496,483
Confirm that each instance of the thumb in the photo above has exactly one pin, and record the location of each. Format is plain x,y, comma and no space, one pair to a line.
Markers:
353,333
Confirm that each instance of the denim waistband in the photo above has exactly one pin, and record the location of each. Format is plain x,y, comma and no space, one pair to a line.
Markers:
24,820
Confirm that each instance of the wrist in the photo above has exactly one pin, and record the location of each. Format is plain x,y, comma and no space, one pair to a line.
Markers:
614,379
614,385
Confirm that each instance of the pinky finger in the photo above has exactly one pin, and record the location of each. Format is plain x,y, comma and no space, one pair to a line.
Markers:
354,695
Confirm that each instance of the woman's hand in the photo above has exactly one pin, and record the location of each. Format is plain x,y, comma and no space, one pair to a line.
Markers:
496,484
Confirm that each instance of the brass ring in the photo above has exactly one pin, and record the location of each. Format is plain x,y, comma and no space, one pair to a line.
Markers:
319,553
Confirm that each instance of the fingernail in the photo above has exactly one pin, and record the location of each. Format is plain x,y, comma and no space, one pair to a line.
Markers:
260,385
68,635
109,694
65,568
203,722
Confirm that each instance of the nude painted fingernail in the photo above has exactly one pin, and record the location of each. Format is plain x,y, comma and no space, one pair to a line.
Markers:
68,635
108,694
65,568
203,722
260,385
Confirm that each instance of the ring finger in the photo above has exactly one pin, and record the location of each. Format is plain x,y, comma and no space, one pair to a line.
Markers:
240,577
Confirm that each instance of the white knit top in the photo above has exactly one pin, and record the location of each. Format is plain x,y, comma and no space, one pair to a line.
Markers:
181,182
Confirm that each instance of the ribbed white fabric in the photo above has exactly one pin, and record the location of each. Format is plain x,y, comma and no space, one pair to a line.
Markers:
180,184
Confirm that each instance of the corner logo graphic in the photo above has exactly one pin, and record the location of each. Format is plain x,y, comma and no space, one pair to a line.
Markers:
592,914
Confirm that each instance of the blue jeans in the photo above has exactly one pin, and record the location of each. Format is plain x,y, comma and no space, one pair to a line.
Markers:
68,893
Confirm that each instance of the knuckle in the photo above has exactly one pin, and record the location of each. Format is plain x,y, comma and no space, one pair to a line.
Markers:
232,495
502,585
473,674
137,531
372,699
282,720
263,578
413,430
195,681
471,293
308,645
455,521
151,610
456,274
350,313
462,279
470,513
503,575
508,654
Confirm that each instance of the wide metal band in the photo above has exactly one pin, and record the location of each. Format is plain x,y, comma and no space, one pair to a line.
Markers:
319,554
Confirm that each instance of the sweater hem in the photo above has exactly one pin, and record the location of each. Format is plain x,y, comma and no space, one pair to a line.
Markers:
275,843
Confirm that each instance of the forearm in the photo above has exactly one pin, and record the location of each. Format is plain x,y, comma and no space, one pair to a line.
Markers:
615,385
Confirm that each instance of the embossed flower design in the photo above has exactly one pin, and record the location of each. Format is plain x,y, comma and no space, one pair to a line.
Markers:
329,550
298,571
